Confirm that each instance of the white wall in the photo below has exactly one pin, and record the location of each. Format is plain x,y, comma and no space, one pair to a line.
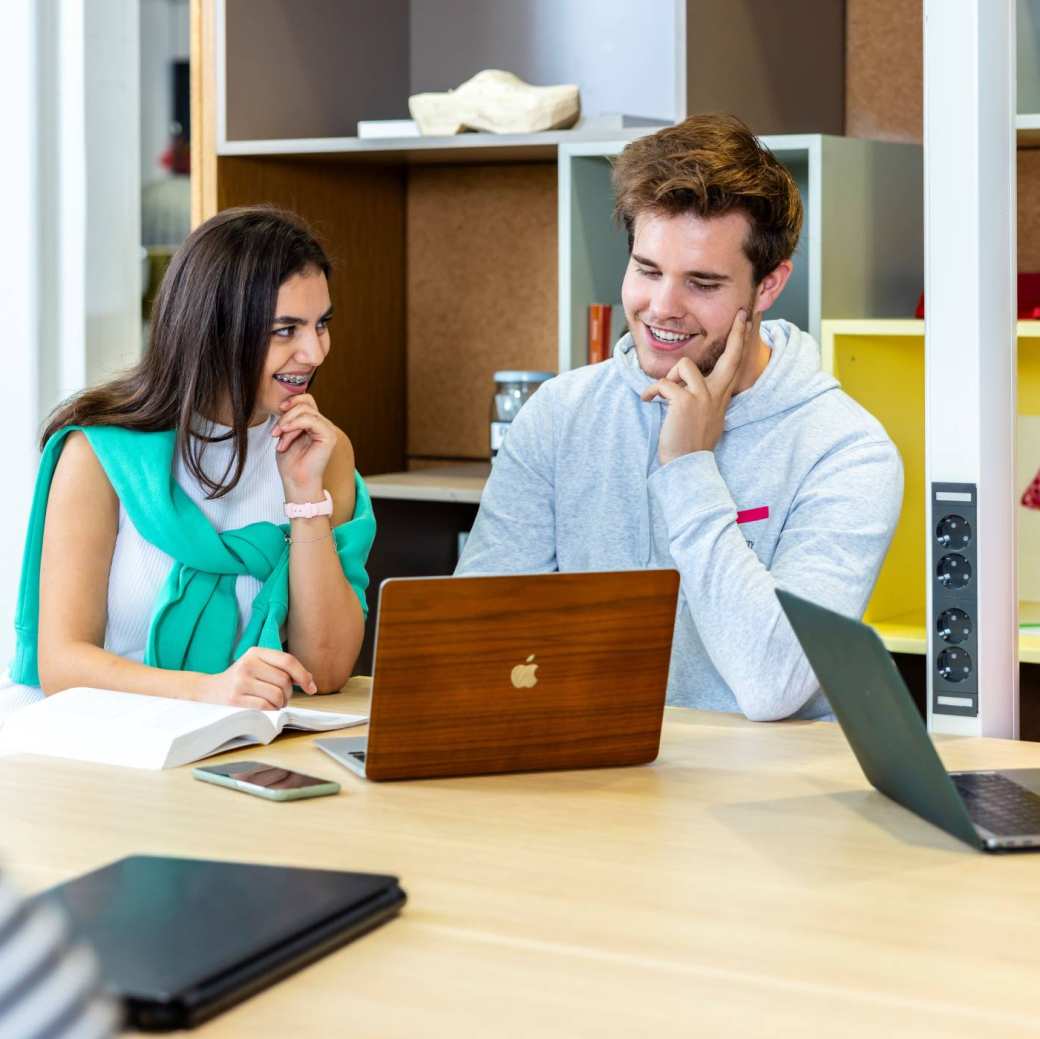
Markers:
622,54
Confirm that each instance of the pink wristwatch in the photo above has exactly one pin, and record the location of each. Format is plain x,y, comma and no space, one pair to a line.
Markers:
309,509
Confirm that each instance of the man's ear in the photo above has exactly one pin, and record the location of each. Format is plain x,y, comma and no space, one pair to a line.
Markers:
770,287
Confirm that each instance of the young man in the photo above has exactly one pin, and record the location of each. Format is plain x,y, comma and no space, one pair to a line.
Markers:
710,442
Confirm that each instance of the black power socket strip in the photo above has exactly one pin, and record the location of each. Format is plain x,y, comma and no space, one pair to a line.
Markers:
955,600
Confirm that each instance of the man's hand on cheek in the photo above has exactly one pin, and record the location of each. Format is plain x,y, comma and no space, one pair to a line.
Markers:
697,404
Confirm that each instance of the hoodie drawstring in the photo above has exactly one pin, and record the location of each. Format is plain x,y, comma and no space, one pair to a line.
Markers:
656,421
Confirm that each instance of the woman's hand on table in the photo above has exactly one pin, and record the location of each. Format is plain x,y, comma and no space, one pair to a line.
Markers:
260,678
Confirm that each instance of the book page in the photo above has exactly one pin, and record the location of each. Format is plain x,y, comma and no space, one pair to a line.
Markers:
168,716
97,725
117,728
232,744
136,731
234,727
293,717
246,726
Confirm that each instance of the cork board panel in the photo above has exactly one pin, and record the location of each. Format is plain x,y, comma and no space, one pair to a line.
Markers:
884,69
1029,209
481,295
358,213
885,96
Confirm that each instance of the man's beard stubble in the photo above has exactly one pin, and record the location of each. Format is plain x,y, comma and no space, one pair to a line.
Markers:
717,347
714,352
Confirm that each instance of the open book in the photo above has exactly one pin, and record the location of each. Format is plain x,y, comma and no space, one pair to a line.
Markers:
148,731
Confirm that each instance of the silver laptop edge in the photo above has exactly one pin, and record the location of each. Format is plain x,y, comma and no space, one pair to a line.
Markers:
345,750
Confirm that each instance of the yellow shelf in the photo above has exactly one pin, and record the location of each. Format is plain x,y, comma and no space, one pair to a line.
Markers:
909,327
880,363
903,633
906,633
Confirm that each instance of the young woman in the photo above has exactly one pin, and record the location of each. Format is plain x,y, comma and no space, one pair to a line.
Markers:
198,529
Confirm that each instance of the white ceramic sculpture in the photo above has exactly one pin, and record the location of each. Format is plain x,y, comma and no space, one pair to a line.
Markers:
498,102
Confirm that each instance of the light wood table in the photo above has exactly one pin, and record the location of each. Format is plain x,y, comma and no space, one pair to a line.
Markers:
749,883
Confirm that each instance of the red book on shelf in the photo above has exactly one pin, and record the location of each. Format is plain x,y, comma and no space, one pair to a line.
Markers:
599,332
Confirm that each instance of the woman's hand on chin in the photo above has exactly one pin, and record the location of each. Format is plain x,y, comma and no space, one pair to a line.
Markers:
306,440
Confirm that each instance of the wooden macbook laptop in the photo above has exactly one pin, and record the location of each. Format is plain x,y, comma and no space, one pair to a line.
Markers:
474,675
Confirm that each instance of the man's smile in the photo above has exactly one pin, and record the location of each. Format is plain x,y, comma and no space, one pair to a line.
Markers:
668,339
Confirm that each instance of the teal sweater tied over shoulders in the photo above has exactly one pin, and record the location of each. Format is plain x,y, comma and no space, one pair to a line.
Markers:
195,619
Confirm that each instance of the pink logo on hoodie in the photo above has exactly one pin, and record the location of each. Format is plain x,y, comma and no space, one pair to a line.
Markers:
761,512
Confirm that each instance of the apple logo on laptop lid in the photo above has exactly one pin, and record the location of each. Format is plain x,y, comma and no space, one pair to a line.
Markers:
523,675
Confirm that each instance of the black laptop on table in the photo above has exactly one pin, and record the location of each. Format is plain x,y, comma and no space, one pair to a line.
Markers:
180,940
992,810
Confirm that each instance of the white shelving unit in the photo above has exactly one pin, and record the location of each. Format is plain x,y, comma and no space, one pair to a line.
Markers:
313,70
860,254
288,139
466,147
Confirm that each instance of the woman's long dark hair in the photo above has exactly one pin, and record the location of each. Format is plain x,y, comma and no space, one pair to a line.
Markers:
211,327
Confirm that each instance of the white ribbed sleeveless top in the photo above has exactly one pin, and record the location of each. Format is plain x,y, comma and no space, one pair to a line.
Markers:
139,568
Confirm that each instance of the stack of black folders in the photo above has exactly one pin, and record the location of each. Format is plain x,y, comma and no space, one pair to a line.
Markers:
180,940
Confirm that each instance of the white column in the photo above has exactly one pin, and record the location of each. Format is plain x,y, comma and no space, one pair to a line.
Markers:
112,262
70,272
19,294
93,145
970,267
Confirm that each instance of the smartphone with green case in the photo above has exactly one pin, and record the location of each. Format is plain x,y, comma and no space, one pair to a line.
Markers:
264,780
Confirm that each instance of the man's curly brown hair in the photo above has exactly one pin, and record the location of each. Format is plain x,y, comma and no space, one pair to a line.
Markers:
710,165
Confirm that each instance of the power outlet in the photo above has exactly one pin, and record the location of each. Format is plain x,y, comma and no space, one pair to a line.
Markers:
955,620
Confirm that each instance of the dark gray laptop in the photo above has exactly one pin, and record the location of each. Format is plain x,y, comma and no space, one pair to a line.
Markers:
994,811
180,940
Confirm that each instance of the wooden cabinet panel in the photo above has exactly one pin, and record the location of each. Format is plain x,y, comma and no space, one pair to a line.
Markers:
358,212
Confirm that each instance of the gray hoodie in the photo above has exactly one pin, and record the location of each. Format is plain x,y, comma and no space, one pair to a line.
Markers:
802,492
